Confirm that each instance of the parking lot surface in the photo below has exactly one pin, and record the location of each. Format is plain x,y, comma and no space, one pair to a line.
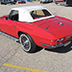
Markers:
55,60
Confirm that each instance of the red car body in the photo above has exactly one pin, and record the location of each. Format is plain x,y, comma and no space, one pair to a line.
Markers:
48,33
38,31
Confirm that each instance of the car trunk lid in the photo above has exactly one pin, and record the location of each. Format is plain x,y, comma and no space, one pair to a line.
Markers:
57,26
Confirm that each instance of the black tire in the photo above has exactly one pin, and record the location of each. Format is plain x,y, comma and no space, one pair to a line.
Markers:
40,1
5,4
56,3
14,3
27,43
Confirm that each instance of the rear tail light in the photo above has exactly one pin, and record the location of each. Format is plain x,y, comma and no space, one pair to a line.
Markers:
60,40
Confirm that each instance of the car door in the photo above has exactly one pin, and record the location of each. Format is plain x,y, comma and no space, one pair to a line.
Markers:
9,25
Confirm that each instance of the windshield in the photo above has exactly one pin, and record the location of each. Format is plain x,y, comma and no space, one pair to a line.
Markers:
39,13
14,15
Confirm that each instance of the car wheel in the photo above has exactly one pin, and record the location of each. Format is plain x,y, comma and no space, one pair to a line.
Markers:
40,1
56,3
27,43
11,3
14,3
5,4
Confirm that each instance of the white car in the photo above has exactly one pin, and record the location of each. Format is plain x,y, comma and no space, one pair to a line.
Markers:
45,1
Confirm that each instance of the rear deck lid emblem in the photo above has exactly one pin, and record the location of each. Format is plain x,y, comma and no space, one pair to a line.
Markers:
60,23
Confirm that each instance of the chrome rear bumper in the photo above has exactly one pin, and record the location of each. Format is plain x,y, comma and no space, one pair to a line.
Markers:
51,46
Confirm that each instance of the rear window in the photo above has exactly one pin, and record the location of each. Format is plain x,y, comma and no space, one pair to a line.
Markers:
39,13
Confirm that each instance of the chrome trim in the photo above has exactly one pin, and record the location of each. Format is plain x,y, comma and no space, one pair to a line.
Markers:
9,36
51,46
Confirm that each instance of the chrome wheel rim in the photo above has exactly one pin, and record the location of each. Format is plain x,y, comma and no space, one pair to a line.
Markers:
25,42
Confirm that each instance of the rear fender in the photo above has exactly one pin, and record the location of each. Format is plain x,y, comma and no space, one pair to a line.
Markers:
38,34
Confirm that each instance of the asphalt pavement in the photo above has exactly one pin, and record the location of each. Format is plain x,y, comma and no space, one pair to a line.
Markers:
55,60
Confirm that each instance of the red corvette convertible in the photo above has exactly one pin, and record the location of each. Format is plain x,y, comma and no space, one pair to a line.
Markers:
36,26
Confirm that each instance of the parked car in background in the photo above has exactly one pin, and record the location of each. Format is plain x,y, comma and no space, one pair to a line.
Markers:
35,26
45,1
21,1
64,2
8,2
